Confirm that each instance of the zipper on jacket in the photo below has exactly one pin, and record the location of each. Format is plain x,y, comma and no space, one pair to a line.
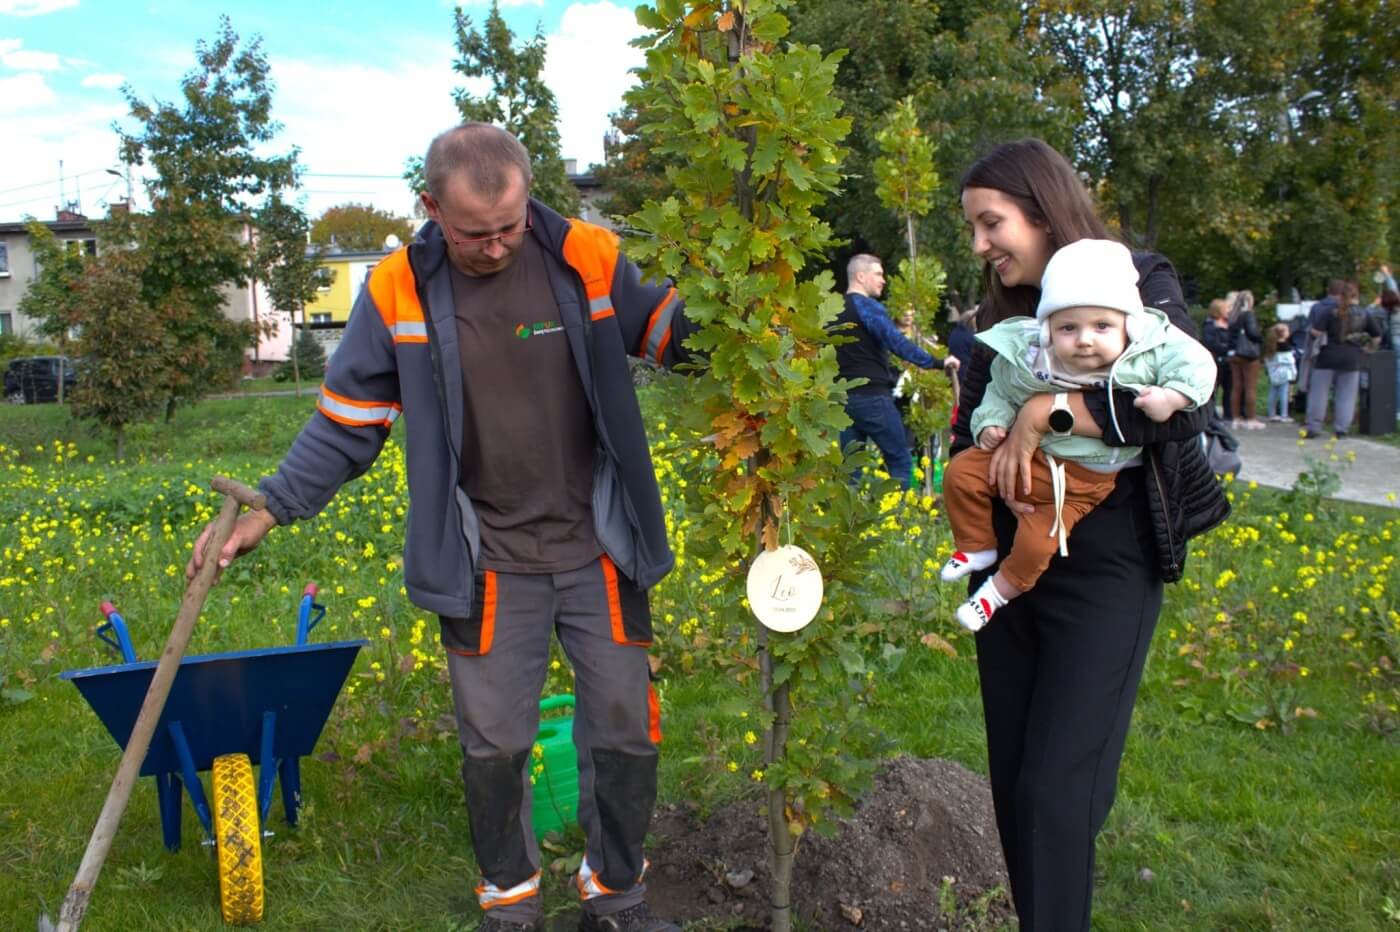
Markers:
435,355
1166,516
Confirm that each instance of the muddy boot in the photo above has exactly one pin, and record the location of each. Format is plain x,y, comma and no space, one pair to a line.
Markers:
637,918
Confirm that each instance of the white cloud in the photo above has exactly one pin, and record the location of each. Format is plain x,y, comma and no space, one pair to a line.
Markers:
28,91
80,136
108,81
587,68
352,119
34,7
30,61
12,56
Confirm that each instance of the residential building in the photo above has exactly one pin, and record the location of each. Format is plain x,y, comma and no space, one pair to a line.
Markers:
18,267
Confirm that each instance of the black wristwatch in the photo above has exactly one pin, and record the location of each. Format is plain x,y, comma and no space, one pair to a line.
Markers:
1061,418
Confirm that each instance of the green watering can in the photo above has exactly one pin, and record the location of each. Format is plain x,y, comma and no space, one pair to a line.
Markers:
554,770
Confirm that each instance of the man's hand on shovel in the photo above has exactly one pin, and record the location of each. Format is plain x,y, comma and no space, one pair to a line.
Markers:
248,532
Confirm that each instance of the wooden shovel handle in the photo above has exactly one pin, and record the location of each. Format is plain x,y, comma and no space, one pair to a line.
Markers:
240,492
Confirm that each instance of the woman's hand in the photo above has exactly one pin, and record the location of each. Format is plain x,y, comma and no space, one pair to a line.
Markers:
1010,469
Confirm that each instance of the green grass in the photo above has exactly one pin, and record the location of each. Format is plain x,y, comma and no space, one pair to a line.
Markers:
1259,784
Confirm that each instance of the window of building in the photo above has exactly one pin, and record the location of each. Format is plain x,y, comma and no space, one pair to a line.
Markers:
324,277
88,246
320,318
7,323
4,261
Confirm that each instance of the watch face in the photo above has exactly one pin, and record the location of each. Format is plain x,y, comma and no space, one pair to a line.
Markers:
1061,421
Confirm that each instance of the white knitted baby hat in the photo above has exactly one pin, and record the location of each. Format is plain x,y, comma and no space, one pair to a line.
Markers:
1090,273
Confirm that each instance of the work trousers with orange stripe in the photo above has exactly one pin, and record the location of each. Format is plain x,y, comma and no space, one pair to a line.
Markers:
497,661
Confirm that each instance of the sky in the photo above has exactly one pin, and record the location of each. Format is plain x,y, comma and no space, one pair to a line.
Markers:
360,86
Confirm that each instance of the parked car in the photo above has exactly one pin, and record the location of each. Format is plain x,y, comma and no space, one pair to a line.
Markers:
31,379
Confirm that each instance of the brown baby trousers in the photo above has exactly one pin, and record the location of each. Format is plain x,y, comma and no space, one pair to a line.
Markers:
968,500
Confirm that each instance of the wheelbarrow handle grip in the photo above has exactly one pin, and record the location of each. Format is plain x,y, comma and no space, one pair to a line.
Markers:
240,492
107,608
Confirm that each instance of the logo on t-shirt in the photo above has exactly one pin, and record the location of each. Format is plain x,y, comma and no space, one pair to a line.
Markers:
525,331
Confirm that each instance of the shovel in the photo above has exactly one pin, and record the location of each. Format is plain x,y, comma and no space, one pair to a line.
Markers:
75,904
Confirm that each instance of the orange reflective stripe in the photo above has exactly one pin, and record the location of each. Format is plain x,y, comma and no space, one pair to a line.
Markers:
489,896
354,413
488,612
653,714
619,634
391,287
660,320
592,252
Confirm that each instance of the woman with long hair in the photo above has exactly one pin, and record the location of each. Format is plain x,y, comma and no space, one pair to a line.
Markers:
1060,676
1349,331
1246,341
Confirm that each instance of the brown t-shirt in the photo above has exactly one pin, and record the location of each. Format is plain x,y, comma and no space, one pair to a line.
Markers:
528,441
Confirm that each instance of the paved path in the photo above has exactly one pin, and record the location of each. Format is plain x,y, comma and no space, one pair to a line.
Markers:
1273,457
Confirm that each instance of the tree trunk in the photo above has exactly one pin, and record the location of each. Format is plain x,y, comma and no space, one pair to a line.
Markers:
296,354
1154,203
782,846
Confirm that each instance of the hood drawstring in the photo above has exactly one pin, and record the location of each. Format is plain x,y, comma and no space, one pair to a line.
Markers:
1057,485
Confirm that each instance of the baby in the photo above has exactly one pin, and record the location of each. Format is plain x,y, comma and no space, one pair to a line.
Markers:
1090,330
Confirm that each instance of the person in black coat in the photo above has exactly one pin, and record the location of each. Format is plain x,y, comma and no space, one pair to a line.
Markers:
1215,334
1059,678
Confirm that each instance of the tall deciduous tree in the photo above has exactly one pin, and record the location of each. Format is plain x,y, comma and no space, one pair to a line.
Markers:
210,174
358,228
519,102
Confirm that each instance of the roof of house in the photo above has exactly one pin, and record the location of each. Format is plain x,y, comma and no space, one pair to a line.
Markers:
58,226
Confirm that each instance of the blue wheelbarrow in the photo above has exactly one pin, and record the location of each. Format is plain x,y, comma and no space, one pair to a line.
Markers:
223,713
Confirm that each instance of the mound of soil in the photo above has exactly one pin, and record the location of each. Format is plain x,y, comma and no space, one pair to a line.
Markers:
923,820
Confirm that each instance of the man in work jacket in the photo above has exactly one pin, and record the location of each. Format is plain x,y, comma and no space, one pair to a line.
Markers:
871,406
500,335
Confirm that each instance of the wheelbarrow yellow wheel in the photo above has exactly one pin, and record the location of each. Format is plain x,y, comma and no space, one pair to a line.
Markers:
238,840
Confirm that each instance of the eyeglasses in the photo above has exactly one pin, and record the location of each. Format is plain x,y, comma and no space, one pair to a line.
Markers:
489,237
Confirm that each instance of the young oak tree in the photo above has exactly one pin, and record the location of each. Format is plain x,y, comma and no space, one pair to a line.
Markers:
519,102
751,133
906,182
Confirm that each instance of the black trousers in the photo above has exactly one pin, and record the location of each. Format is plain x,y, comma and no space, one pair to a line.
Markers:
1060,668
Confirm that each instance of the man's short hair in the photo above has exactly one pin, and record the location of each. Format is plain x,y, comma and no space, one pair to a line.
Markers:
480,152
861,263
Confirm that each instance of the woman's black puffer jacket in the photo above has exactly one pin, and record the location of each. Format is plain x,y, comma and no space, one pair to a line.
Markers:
1183,495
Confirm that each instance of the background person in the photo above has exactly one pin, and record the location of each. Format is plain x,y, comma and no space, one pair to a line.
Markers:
1282,369
1347,331
1060,669
1215,334
1246,343
871,406
511,441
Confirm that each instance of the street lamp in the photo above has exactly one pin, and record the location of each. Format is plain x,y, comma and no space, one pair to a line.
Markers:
127,176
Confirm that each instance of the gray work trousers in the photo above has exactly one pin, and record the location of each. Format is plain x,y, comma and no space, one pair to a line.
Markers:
1343,406
497,661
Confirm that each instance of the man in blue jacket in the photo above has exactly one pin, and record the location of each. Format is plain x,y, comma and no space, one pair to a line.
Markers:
871,406
501,336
